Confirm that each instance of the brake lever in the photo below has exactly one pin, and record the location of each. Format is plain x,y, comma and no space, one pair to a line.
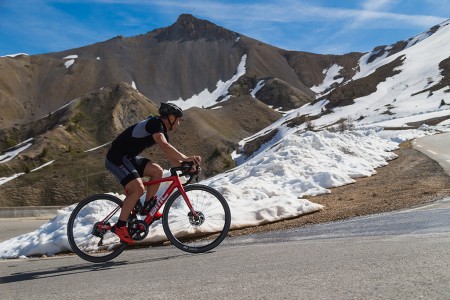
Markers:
191,174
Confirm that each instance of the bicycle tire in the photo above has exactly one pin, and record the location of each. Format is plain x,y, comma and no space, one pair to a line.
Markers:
196,236
81,233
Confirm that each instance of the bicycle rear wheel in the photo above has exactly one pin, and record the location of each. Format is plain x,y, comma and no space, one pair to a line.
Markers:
87,237
201,234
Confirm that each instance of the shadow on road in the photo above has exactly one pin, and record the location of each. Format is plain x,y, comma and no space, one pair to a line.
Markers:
81,268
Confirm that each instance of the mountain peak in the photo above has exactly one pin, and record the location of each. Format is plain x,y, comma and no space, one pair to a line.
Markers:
188,18
188,27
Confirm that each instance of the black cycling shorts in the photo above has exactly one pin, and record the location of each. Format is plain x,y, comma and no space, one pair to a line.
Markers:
130,169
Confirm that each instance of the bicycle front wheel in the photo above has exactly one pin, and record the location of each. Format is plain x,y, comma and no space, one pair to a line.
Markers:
86,228
196,234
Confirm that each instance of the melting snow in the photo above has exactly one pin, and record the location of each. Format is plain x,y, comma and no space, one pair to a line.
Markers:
331,75
258,86
207,98
7,156
70,60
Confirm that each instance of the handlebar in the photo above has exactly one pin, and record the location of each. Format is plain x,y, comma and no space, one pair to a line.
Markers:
186,170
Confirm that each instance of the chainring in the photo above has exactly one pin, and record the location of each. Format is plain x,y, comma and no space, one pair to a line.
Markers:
138,230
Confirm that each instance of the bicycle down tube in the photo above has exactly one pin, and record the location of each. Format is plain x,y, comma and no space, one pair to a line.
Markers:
175,183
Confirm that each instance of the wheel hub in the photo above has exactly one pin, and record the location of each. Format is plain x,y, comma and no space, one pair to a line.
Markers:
196,221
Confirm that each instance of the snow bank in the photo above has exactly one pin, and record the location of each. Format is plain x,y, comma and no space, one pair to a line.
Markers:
270,187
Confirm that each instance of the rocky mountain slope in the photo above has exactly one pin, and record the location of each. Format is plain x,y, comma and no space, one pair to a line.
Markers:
402,85
68,106
75,139
175,62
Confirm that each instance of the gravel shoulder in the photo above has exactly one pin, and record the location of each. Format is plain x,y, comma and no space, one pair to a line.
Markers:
410,180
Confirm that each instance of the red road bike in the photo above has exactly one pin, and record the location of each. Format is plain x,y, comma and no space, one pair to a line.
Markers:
196,218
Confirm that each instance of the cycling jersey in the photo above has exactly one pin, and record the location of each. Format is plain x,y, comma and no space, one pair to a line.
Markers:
136,139
121,159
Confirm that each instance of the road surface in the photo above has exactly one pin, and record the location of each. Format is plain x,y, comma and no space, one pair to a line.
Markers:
436,147
13,227
398,255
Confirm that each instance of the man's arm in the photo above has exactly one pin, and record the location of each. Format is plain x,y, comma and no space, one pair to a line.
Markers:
171,152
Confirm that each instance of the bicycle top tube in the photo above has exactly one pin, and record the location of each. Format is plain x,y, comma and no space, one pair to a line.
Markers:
172,178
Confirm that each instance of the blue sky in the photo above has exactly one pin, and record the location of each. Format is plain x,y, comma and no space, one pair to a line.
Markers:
318,26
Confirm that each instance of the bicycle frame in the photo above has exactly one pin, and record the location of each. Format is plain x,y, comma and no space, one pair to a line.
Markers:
197,228
175,184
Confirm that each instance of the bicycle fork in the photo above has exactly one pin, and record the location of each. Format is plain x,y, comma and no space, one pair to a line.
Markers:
193,214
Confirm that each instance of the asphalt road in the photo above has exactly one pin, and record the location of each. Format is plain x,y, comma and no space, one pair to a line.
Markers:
399,255
13,227
436,147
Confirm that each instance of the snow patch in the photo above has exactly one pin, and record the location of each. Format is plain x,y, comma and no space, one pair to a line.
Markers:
207,98
331,76
15,55
258,87
70,60
7,156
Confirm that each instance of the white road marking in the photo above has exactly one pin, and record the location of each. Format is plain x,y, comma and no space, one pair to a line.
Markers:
432,152
420,146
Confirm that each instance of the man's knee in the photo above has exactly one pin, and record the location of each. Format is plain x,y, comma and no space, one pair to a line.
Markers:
154,171
135,187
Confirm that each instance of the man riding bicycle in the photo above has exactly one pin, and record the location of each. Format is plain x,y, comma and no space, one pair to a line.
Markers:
123,162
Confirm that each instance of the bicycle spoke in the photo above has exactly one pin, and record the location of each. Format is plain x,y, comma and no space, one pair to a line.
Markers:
189,231
87,238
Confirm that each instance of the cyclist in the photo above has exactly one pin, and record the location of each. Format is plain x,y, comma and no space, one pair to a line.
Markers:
123,162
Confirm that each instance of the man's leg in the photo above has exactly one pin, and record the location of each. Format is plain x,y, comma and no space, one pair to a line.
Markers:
135,189
155,172
128,176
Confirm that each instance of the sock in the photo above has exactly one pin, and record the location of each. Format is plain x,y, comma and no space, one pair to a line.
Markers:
121,223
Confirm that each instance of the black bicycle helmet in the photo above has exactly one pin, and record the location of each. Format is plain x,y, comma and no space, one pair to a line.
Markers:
170,109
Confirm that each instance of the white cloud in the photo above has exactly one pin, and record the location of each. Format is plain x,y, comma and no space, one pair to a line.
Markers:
289,24
294,26
283,11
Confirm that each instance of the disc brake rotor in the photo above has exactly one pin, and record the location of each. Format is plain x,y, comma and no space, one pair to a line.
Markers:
196,221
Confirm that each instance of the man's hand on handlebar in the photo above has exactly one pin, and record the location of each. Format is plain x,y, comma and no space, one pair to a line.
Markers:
188,168
195,159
